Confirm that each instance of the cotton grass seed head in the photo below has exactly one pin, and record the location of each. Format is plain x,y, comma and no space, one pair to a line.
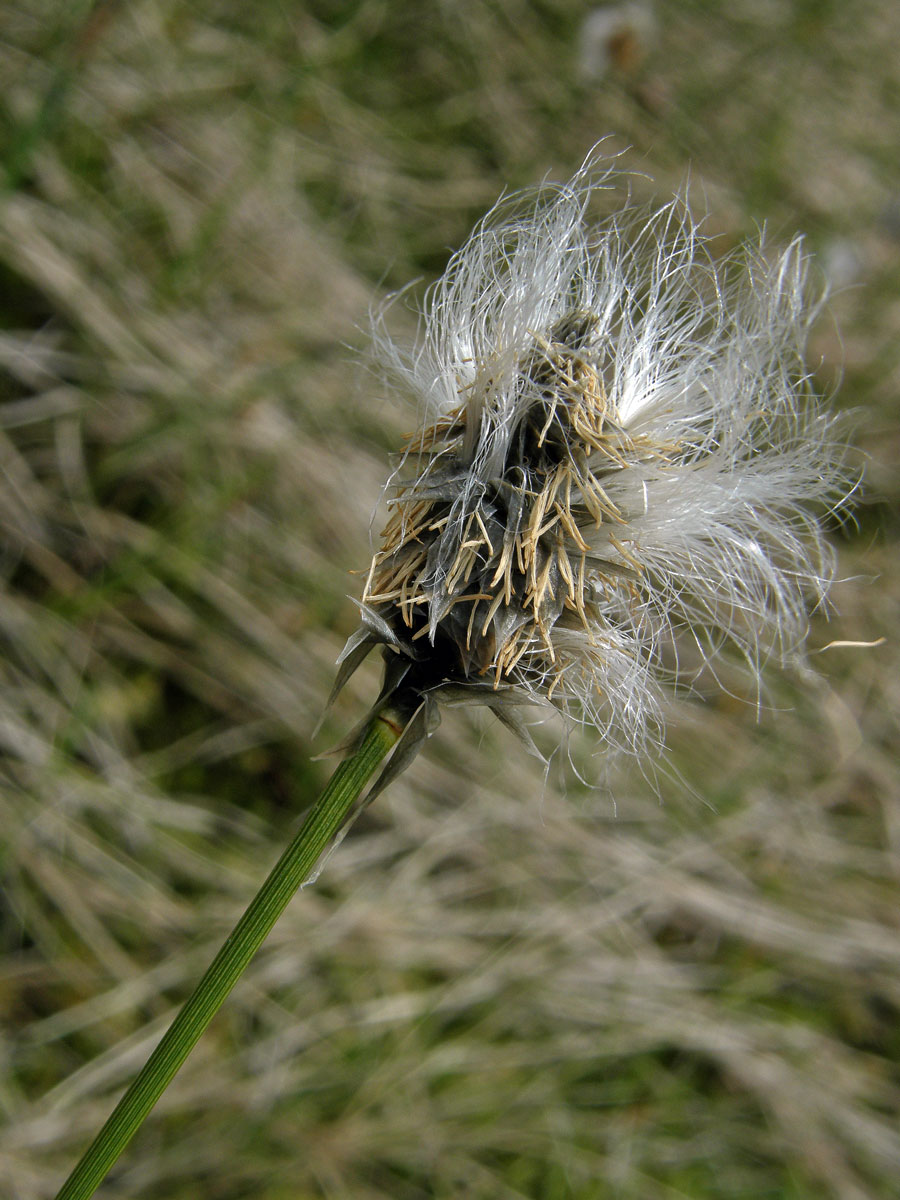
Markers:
617,470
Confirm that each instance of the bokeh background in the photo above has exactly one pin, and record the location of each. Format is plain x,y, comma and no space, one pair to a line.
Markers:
497,988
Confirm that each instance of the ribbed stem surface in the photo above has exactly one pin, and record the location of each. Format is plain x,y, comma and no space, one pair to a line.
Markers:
291,870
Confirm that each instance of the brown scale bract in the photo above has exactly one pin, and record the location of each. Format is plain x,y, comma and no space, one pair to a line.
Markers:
488,568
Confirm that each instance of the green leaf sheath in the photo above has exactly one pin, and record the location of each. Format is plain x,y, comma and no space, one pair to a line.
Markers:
292,869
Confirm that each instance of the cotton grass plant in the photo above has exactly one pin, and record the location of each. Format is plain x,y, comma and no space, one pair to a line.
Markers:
619,450
617,480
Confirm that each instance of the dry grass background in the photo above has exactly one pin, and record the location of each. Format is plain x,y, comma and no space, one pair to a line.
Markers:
494,990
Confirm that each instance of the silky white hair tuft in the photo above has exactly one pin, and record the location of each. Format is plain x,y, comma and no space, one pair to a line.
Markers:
620,451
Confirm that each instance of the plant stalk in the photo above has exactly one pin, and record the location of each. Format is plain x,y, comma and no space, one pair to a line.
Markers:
293,868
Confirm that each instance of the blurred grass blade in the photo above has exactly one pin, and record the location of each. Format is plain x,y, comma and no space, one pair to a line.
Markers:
79,43
325,820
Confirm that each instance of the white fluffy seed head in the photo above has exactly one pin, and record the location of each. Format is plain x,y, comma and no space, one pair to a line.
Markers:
620,452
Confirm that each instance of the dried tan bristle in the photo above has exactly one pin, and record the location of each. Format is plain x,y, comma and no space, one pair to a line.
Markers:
578,441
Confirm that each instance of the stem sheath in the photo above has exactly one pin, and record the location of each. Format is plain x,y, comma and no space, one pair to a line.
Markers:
294,867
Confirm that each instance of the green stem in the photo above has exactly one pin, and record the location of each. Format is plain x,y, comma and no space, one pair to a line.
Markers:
292,869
